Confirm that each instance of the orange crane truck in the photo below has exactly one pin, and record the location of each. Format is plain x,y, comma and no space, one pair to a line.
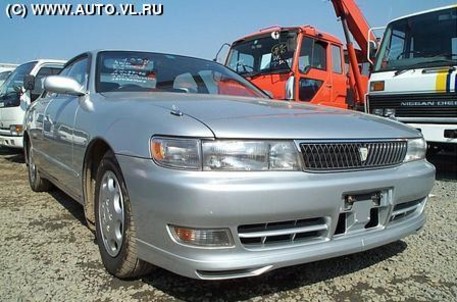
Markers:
304,64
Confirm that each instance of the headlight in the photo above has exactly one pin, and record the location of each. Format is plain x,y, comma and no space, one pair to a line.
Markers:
416,149
225,155
249,156
388,112
378,111
16,130
176,153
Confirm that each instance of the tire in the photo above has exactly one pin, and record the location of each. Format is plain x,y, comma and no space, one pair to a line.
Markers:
37,183
114,225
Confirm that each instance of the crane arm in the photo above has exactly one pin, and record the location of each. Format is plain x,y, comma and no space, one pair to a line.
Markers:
356,23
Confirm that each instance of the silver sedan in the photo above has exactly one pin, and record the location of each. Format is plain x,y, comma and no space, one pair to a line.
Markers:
181,163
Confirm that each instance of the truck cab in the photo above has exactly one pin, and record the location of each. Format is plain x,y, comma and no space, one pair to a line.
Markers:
414,78
293,63
16,96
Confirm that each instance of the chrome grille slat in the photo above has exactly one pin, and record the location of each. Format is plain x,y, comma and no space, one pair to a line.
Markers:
290,231
328,156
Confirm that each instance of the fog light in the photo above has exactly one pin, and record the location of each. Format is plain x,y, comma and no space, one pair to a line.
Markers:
378,111
202,237
16,130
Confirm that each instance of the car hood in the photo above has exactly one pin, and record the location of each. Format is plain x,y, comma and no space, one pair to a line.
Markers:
234,117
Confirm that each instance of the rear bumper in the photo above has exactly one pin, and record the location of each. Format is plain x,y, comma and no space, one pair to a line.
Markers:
163,197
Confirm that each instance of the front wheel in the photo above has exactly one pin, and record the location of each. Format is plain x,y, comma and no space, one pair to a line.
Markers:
37,183
115,228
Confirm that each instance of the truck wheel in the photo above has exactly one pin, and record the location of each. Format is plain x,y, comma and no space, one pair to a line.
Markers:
114,225
37,183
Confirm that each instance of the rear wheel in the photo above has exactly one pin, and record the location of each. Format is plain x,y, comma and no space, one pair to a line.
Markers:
37,183
115,228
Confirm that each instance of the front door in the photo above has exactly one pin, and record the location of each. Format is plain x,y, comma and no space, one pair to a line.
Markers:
58,128
313,80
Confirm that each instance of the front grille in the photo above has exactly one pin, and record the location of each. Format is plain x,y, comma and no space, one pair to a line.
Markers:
284,232
437,105
355,155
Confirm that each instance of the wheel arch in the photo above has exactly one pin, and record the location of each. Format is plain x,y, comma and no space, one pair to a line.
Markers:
96,149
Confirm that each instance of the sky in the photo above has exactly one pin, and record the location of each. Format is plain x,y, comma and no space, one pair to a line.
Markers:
193,27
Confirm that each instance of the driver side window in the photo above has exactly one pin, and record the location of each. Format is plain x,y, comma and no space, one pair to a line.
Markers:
312,55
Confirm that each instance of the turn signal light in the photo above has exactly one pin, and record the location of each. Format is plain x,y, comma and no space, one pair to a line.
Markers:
377,86
212,238
16,130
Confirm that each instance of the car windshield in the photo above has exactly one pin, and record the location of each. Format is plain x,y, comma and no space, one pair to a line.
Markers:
421,41
16,79
119,71
3,76
263,54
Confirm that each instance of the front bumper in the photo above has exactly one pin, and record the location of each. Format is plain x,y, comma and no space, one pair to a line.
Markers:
234,200
11,141
437,133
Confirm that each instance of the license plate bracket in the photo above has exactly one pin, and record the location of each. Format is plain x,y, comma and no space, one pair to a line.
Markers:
350,199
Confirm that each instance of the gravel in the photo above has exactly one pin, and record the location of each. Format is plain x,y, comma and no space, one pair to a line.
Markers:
48,254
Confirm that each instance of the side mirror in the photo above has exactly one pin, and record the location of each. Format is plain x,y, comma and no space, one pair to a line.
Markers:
63,85
29,82
290,88
217,58
372,49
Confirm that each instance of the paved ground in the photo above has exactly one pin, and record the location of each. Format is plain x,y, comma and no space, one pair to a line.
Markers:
48,254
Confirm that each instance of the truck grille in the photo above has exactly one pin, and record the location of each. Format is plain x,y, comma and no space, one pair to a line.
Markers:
284,232
355,155
442,105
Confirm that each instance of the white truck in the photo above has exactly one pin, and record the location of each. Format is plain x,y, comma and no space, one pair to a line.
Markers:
414,77
21,88
5,70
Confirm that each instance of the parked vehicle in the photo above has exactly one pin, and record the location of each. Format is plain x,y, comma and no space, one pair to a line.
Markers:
16,95
4,75
183,164
7,67
5,70
414,79
302,63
